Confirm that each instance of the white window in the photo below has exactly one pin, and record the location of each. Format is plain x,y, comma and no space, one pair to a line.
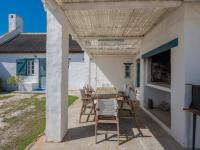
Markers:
30,67
127,70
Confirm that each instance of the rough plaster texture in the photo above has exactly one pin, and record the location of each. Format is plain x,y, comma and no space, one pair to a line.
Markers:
110,70
192,53
184,24
78,71
57,79
15,22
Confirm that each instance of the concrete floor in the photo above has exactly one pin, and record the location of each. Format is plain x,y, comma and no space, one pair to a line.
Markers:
81,136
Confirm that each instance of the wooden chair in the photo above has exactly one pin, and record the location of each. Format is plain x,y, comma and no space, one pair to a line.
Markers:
106,113
124,94
130,104
87,103
90,89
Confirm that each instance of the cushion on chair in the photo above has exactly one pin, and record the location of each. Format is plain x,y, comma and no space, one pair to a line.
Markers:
107,107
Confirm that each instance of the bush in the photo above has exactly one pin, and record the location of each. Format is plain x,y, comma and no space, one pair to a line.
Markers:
12,81
1,84
15,80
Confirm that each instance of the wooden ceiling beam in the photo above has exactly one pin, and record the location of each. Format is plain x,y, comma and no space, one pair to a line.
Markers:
111,37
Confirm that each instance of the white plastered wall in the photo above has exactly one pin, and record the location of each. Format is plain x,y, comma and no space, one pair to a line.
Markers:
192,53
78,70
8,67
110,70
184,24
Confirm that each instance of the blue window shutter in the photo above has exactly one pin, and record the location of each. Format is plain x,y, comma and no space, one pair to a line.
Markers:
21,67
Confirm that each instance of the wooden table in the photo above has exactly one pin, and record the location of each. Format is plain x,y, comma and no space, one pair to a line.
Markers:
105,92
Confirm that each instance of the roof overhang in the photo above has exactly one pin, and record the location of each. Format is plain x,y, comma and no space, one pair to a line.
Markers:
106,27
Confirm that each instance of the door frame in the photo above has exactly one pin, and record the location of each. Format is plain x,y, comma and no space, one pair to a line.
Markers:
40,71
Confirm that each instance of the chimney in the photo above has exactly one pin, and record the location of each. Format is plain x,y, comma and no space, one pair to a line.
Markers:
15,23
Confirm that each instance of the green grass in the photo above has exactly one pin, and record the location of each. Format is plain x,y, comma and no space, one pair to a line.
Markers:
5,97
71,99
33,122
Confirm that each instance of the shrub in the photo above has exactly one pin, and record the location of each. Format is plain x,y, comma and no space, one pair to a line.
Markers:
1,84
11,81
15,80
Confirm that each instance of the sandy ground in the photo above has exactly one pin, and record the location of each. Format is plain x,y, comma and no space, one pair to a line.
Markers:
10,108
17,111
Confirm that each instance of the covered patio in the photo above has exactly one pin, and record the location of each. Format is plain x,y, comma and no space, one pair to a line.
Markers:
81,136
119,32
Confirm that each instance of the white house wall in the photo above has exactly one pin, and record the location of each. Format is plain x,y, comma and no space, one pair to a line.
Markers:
8,66
167,30
182,23
109,71
76,57
78,70
192,53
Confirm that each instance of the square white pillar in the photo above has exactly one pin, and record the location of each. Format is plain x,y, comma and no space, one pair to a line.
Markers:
57,79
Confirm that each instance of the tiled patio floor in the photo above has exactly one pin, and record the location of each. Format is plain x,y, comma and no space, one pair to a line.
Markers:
81,136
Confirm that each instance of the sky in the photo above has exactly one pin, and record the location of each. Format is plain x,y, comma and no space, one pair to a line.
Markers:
31,11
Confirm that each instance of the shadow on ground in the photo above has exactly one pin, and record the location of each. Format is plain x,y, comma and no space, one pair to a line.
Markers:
129,130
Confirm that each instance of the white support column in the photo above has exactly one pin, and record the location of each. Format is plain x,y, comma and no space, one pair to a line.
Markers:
57,78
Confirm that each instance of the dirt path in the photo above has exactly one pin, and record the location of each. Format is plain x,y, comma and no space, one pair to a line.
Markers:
22,119
13,110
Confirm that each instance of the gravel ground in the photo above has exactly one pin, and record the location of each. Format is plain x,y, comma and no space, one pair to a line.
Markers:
12,109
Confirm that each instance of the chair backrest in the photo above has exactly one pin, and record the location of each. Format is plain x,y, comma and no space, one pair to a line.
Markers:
82,91
127,91
107,107
106,85
85,88
90,88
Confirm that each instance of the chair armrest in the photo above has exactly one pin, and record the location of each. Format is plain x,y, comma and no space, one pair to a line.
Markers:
121,92
132,102
87,98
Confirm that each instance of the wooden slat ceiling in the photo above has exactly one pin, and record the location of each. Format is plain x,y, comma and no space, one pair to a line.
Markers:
114,31
78,1
113,22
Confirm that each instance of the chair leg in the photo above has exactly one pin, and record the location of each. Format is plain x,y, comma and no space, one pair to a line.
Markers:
106,136
96,126
94,112
90,113
84,109
122,103
118,130
81,113
136,120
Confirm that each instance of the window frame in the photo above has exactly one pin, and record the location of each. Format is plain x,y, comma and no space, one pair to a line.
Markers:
30,67
127,70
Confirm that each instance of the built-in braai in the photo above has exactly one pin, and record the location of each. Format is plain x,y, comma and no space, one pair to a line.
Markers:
157,67
158,84
161,68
